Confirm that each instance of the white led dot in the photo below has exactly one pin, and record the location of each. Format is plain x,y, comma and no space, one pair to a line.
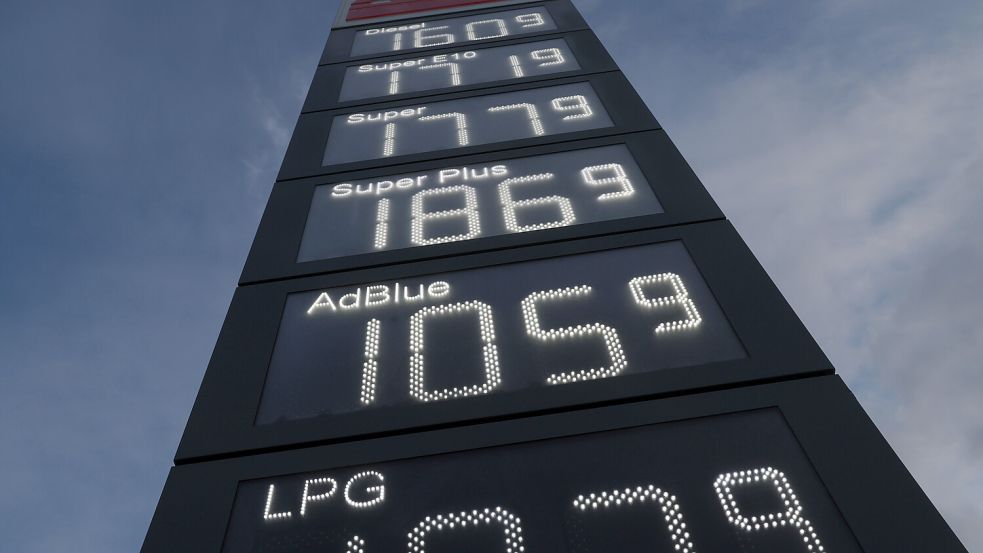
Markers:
489,351
531,112
619,177
356,545
548,56
453,68
389,140
370,366
382,224
394,82
516,67
672,513
578,104
267,515
680,297
499,30
510,206
324,495
726,484
609,335
419,216
530,20
460,123
378,489
511,528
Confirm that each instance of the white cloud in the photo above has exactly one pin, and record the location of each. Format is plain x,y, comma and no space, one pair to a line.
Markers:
858,185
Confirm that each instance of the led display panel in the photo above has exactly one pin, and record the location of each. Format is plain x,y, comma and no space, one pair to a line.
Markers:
459,68
477,332
733,482
450,124
472,201
455,30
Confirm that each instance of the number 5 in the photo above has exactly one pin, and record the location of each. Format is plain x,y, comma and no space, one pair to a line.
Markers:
608,334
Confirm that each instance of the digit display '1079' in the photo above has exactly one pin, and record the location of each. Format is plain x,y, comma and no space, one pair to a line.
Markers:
485,331
727,483
465,202
464,122
444,32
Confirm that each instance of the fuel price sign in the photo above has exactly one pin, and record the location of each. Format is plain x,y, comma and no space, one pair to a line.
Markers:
450,124
459,68
479,332
470,201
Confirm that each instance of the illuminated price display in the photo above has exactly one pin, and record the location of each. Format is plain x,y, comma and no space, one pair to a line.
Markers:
464,122
734,482
478,332
471,201
459,68
444,32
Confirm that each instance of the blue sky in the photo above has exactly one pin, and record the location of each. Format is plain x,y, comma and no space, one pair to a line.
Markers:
842,138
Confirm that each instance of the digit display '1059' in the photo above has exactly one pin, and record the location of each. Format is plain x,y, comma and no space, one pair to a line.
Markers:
485,331
734,482
451,124
465,202
444,32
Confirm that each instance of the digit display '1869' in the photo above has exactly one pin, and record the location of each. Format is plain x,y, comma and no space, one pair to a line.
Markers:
468,201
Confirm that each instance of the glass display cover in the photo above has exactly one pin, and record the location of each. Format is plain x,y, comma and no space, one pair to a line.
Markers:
455,30
461,68
450,124
734,482
472,201
477,332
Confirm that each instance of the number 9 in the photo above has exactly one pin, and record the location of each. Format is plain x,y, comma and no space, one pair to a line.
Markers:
573,103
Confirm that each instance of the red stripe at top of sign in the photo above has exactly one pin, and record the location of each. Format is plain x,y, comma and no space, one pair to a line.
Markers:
369,9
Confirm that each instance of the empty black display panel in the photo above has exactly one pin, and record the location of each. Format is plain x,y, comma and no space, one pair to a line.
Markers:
786,467
500,333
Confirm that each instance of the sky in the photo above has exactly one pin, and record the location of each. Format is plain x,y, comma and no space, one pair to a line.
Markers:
140,140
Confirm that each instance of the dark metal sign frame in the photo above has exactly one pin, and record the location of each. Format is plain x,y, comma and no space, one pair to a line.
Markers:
339,44
306,150
776,343
877,497
326,87
274,251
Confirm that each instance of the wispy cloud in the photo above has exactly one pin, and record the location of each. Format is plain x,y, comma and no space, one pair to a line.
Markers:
849,158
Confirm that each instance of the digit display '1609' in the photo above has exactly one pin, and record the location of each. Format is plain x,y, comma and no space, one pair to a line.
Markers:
726,483
444,32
